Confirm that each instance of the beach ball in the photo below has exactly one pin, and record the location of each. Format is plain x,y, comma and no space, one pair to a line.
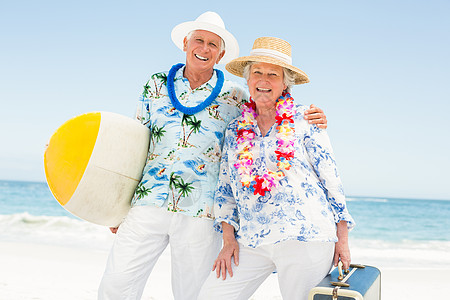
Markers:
94,162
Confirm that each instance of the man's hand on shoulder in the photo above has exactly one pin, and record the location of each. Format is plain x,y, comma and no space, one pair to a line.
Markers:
315,115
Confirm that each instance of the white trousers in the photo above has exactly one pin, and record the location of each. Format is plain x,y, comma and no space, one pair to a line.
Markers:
300,267
140,241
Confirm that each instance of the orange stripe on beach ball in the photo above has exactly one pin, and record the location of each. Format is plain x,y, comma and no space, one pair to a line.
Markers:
68,154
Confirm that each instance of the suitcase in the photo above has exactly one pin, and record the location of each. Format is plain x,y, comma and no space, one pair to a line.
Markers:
359,283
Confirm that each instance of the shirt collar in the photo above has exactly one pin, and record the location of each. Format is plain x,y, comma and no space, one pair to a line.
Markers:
211,83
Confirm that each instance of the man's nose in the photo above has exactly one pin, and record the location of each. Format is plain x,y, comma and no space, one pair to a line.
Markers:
205,47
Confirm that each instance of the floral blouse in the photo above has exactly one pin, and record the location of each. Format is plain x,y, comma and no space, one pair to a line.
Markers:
306,205
183,160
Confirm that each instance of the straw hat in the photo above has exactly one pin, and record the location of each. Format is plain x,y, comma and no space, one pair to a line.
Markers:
209,21
268,50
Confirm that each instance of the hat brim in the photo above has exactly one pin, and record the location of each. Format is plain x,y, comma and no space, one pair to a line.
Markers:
180,31
236,66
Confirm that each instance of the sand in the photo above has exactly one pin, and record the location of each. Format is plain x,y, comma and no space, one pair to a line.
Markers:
47,272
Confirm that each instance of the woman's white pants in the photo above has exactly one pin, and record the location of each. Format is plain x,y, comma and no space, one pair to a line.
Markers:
300,267
140,241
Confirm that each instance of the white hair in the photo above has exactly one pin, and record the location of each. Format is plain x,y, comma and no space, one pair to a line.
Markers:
288,75
222,42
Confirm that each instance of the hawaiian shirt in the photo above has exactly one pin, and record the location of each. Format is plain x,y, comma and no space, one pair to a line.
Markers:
306,205
182,166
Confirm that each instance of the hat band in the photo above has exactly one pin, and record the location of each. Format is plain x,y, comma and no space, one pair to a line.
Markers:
272,53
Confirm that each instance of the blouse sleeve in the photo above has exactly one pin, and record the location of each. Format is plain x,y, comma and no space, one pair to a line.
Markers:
225,206
321,157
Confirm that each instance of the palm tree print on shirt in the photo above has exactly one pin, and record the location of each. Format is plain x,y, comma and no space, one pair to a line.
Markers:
141,191
180,188
157,133
159,80
194,126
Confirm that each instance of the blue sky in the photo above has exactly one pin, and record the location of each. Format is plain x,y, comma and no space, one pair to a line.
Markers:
377,68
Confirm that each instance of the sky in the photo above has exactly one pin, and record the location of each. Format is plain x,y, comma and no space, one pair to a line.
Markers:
379,70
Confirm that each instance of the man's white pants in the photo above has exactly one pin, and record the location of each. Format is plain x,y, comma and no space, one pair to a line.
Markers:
300,267
140,241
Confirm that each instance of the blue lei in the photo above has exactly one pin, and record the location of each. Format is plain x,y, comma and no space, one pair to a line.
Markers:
191,110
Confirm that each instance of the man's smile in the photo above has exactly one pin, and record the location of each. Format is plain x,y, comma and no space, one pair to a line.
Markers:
201,57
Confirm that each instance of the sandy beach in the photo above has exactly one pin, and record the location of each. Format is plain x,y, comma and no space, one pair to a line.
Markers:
47,272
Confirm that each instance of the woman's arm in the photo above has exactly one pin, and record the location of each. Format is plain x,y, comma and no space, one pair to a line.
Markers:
225,206
321,158
230,249
341,250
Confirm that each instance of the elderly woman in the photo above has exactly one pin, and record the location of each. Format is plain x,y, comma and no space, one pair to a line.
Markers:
279,203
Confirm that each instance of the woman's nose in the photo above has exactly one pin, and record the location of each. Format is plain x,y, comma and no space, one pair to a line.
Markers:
265,77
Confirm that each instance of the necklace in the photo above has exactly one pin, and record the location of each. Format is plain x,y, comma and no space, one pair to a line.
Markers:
191,110
285,145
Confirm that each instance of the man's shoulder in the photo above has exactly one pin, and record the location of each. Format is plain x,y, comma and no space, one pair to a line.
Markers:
161,76
233,85
155,82
234,92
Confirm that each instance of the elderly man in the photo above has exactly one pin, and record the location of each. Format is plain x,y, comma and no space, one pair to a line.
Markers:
187,111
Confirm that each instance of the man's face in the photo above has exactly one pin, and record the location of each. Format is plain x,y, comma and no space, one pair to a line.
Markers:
203,50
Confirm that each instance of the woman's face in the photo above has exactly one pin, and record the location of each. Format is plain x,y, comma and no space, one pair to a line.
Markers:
265,83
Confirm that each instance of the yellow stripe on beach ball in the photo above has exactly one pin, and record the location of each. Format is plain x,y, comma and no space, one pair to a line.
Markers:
66,158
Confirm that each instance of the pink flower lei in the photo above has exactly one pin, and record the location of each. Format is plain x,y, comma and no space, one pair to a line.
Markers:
285,145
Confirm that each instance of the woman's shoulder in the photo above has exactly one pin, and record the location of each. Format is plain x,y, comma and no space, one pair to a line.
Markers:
299,111
301,124
232,126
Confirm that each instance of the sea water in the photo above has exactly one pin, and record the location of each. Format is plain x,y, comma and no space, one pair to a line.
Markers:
29,213
390,232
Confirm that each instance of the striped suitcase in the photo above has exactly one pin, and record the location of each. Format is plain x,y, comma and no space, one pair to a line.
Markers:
360,283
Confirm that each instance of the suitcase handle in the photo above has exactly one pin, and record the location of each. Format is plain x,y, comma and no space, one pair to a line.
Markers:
341,275
338,283
357,266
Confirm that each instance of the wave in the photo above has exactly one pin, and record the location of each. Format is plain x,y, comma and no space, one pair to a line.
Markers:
404,253
70,232
56,230
366,199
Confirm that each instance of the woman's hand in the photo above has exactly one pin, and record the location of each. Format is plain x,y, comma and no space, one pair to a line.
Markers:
341,250
315,115
230,249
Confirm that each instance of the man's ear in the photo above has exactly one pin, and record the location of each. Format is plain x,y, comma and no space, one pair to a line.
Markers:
220,56
185,44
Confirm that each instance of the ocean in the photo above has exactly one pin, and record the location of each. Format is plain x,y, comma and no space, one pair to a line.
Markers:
390,232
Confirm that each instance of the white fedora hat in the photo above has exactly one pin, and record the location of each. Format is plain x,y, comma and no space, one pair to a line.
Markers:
209,21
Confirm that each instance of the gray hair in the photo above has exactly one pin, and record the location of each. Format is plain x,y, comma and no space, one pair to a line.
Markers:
288,75
222,42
